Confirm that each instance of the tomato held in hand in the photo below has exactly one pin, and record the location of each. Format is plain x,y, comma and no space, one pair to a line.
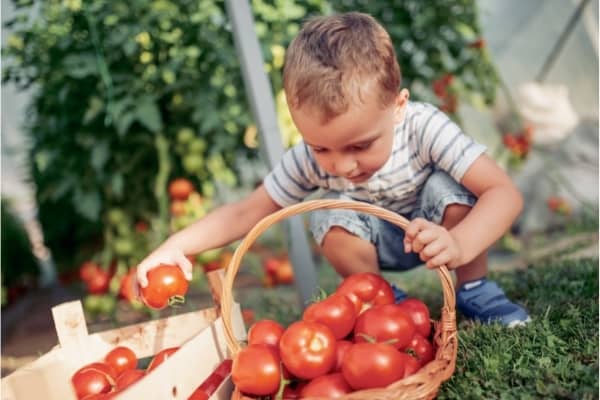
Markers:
331,386
337,312
166,286
256,370
419,313
386,323
308,349
161,357
365,290
372,365
92,379
121,358
265,331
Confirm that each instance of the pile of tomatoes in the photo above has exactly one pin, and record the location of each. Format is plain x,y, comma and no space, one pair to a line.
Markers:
118,370
356,338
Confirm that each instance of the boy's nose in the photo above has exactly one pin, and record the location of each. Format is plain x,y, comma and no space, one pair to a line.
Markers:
345,166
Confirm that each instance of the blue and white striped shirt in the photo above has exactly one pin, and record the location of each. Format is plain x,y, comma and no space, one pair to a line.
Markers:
425,140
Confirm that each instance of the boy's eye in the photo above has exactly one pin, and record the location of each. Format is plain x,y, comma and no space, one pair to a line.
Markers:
362,146
319,150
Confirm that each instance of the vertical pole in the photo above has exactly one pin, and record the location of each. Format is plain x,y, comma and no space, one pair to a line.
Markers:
260,97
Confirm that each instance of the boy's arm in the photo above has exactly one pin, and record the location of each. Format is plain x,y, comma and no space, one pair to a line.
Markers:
499,204
218,228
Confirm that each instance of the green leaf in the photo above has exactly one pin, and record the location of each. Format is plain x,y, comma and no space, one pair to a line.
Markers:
124,122
148,114
87,204
116,184
94,108
80,65
100,154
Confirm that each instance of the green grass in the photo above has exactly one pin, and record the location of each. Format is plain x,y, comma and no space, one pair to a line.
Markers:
554,357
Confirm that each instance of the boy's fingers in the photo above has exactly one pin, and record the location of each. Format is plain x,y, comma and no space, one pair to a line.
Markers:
140,275
185,265
414,227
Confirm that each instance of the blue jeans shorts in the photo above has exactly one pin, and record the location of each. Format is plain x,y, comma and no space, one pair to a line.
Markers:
440,190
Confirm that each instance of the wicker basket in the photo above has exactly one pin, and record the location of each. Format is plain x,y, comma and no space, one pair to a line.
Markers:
422,385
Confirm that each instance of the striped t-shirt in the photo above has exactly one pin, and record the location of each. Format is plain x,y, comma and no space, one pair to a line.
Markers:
425,140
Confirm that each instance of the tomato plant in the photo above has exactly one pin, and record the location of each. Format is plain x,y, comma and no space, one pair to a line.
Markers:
372,365
256,370
419,313
121,358
308,349
331,386
365,290
337,312
386,323
166,286
161,357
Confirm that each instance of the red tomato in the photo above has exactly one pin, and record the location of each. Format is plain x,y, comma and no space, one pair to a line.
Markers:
285,273
385,323
419,313
121,358
87,270
256,370
180,189
126,287
366,289
422,348
166,285
177,208
307,349
99,282
411,364
128,378
336,312
372,365
199,394
161,357
332,386
265,331
92,379
340,351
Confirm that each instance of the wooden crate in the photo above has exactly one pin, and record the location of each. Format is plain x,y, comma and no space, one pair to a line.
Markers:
198,333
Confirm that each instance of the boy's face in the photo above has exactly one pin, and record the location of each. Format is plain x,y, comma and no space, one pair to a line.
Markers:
356,144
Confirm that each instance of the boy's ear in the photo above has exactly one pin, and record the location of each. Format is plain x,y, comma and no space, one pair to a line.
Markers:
400,104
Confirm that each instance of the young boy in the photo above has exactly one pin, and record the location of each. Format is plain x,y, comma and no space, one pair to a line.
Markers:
364,140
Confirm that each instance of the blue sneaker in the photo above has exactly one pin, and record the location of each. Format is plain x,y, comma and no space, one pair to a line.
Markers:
399,294
484,301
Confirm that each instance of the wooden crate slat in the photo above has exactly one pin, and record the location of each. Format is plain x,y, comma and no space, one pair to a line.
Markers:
186,369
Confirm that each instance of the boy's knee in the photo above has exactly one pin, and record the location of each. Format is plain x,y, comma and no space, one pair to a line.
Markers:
335,238
454,213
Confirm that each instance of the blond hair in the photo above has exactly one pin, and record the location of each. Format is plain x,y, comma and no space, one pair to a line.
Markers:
335,59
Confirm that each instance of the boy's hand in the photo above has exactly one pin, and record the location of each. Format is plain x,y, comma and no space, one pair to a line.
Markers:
163,255
435,245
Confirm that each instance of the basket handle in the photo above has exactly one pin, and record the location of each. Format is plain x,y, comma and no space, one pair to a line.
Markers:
448,309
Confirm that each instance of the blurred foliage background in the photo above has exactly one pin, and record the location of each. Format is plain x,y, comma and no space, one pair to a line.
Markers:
130,95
